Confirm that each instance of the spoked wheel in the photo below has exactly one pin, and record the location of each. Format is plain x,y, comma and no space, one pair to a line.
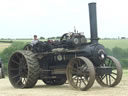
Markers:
80,73
23,69
57,81
28,47
114,78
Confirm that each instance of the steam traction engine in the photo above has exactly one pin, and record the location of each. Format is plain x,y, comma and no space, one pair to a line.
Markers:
71,58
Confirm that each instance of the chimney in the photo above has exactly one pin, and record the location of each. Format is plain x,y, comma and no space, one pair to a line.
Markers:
93,22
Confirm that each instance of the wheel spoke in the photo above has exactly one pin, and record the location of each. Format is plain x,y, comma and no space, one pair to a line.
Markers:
18,81
113,77
77,81
15,76
112,63
14,68
14,61
114,73
74,70
85,68
86,76
83,81
102,77
80,82
106,79
109,80
109,62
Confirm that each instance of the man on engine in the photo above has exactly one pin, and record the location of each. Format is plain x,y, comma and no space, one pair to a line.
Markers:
35,41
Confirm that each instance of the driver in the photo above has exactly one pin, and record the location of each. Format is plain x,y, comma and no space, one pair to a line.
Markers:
35,40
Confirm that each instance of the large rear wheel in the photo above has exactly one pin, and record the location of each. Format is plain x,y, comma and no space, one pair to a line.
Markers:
80,73
23,69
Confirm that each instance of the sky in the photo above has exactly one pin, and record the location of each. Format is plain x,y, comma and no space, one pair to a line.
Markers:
51,18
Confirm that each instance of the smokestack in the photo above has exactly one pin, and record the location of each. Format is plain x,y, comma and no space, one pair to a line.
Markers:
93,22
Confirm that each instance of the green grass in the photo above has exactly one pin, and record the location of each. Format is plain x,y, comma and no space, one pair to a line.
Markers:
3,46
115,43
125,72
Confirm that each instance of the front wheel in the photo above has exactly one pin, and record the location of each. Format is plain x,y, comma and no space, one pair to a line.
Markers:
114,78
80,73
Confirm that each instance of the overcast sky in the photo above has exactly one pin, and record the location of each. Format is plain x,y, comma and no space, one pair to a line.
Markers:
47,18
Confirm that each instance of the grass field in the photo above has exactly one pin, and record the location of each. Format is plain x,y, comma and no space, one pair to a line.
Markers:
3,46
115,43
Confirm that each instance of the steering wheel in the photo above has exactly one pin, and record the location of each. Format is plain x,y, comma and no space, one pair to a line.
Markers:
66,37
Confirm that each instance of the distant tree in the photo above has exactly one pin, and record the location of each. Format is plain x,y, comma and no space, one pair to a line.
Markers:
123,37
42,38
118,52
52,38
108,51
58,37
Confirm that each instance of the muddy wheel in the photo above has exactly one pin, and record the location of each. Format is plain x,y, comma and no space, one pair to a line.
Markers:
23,69
57,81
80,73
28,47
111,80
